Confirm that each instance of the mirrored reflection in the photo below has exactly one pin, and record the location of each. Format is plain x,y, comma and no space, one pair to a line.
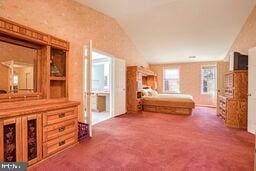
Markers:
17,69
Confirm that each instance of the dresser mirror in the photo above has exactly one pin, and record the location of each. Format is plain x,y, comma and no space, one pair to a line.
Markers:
18,68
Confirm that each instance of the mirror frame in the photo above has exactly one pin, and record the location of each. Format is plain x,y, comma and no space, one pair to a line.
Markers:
37,89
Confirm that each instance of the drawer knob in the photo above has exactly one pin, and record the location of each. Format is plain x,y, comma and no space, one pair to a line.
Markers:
61,115
61,129
62,143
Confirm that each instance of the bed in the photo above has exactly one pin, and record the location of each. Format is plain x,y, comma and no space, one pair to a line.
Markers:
181,104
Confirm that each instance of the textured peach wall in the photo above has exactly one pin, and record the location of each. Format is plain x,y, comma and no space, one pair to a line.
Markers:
190,80
246,39
75,23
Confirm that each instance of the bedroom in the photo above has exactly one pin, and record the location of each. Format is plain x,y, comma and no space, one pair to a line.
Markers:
173,46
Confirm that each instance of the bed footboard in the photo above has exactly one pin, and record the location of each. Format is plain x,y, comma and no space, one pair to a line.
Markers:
168,110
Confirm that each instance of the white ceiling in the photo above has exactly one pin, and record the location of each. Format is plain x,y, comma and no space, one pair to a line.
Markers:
167,31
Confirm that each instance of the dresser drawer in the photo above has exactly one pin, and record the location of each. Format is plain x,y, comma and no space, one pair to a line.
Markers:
58,144
52,131
57,116
149,108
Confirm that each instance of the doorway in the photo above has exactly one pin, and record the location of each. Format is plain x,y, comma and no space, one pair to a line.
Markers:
101,87
104,86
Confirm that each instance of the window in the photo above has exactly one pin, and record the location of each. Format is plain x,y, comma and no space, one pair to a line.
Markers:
208,85
171,80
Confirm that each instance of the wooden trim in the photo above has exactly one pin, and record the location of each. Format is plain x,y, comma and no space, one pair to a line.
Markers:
24,138
25,119
58,43
39,71
39,137
48,70
16,30
19,111
76,124
67,73
9,121
1,140
17,42
18,140
58,78
19,95
13,97
32,103
44,71
168,110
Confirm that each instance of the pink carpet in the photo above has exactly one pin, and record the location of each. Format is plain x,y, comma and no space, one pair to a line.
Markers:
152,141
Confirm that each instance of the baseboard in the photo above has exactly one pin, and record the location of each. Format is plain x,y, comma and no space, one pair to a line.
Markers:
210,106
251,129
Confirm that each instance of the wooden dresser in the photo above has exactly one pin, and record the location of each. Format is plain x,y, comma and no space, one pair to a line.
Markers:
34,130
233,106
136,78
41,122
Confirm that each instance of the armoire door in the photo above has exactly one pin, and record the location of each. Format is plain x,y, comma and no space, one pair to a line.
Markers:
11,140
32,138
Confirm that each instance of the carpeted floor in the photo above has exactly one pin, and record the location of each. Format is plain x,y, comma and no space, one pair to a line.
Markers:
151,141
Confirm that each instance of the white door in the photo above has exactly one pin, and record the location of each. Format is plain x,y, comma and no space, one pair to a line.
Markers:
119,87
88,84
252,91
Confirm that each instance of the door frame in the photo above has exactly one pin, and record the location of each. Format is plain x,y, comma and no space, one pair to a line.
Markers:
87,81
87,63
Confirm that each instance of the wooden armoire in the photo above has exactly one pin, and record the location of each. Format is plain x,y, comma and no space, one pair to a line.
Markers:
38,124
233,106
137,77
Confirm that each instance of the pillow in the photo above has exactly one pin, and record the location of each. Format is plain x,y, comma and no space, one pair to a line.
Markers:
154,93
150,92
144,92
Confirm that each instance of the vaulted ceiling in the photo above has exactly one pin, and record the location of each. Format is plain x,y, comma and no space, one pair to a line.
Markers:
167,31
